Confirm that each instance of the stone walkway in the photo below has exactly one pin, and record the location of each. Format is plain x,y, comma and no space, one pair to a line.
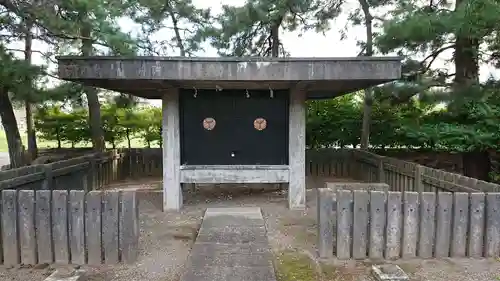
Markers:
231,245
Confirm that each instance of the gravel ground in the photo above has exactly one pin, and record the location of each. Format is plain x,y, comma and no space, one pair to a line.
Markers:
166,239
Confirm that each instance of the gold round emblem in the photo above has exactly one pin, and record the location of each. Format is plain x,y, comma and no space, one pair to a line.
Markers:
209,123
260,124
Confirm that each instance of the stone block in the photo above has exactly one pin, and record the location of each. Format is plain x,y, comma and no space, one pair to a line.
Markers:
67,275
226,220
389,272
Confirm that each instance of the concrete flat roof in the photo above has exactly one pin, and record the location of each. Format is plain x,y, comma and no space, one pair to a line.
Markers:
148,76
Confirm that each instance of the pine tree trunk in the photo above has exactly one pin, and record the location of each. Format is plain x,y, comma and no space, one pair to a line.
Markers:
92,97
275,38
128,138
30,130
466,57
178,37
368,99
9,123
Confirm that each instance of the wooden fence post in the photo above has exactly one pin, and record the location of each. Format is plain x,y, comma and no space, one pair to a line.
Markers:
418,184
9,228
48,181
326,222
129,227
381,170
114,166
91,176
352,165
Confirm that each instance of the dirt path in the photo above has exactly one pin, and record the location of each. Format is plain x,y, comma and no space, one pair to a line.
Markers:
166,240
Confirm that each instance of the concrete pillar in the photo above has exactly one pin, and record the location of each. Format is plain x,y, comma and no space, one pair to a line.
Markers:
297,149
172,193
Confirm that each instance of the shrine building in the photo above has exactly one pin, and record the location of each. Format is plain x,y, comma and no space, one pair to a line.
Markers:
232,120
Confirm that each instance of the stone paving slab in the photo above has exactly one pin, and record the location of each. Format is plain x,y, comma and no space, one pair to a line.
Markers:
248,212
228,249
227,220
231,245
237,236
216,258
235,273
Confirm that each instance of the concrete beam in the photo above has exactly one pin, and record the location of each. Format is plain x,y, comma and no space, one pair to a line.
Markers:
230,69
234,174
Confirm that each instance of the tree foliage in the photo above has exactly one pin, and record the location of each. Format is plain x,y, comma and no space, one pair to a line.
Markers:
63,127
253,29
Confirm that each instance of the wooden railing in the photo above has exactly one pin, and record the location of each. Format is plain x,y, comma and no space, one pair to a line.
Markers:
89,172
341,163
94,171
398,174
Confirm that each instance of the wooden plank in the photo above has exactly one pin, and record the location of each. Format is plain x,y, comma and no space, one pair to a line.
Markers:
410,224
129,227
394,222
9,228
77,226
476,225
492,242
43,226
60,226
27,239
443,227
460,224
427,224
110,226
325,222
344,223
360,224
377,224
93,227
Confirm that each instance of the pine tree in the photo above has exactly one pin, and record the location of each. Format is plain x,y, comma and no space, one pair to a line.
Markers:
253,29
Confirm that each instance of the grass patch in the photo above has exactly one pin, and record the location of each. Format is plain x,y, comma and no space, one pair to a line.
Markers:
294,266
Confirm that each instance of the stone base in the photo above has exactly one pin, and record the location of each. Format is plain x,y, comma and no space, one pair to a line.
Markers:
389,272
67,275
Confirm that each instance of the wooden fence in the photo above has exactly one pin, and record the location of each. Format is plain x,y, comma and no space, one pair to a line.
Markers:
140,162
357,224
68,227
400,175
94,171
88,172
341,163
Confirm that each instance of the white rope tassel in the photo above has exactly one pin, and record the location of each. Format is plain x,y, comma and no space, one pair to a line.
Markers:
247,93
195,92
271,93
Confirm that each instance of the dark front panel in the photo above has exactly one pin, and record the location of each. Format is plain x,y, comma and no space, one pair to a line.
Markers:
234,140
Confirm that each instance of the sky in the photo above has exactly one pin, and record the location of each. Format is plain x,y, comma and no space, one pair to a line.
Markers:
309,44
